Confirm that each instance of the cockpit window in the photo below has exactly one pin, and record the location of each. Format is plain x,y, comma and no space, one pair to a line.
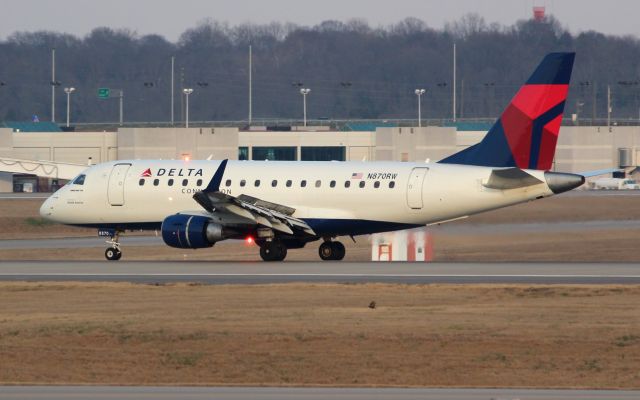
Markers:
79,180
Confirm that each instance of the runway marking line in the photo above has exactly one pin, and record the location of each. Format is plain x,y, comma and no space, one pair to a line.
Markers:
316,275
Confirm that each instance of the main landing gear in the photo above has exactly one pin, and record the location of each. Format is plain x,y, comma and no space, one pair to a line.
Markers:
273,251
329,250
113,253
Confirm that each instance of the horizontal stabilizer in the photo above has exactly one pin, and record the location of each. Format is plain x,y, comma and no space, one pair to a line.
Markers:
590,174
510,178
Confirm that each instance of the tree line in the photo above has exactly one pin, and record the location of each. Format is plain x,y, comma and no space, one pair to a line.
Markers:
354,70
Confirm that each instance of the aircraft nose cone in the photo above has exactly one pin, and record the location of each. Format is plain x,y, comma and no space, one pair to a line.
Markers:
46,209
560,182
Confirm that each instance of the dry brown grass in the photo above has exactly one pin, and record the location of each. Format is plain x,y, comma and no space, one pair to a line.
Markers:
324,334
20,219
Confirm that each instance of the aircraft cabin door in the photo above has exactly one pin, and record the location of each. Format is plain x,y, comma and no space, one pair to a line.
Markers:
414,188
116,184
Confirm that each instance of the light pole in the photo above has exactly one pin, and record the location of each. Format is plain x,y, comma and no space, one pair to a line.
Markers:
54,83
250,86
187,92
305,92
173,61
121,98
491,87
419,93
347,85
68,91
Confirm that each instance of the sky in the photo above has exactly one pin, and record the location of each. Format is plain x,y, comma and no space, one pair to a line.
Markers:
170,18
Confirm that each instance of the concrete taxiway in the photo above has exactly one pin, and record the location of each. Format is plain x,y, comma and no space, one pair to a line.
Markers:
347,272
253,393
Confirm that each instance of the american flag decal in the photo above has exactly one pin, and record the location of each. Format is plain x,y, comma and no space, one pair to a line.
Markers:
356,175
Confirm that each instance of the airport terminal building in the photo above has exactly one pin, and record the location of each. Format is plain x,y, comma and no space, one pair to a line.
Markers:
580,148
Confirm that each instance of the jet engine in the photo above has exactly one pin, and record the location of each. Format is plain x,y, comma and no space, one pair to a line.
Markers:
192,231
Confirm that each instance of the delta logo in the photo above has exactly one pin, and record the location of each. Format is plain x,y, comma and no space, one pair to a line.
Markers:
173,172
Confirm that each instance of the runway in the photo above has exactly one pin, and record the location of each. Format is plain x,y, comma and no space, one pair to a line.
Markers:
340,272
467,228
254,393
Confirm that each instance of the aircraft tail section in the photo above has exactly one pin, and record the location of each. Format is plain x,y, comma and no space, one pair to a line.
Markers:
526,133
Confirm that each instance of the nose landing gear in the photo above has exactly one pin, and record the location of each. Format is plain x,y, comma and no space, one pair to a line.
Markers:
329,250
113,253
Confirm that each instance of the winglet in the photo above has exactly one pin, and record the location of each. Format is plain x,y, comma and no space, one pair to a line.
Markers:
214,185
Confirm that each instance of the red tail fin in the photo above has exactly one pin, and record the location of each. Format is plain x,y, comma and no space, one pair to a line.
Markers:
526,133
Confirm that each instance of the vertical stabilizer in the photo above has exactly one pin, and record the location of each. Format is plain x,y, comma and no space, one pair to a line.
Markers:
526,133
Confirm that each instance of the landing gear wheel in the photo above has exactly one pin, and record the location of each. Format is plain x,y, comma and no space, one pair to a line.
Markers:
113,254
273,251
331,251
339,250
326,251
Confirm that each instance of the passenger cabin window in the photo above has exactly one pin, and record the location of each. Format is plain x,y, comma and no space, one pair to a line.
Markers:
141,182
243,183
347,184
156,182
361,184
289,183
332,184
274,183
392,184
376,184
257,183
318,183
170,182
303,183
79,180
185,182
228,183
199,182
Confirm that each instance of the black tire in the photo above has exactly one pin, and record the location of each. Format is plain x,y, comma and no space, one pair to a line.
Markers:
273,251
326,251
282,253
266,253
339,251
112,254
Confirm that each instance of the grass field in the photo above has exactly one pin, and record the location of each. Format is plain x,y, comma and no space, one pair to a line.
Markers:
321,334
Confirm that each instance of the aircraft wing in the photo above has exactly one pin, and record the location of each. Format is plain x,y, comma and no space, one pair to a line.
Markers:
270,215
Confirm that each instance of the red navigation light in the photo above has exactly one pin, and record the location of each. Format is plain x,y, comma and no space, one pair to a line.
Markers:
248,239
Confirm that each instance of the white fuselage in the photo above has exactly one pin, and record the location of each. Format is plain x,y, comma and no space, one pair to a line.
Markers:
118,194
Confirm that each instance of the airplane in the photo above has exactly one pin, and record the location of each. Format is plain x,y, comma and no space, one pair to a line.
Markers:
283,205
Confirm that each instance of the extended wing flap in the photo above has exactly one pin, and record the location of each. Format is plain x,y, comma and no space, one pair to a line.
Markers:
271,215
281,227
266,204
510,178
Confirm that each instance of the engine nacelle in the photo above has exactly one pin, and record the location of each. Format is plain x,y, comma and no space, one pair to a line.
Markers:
191,231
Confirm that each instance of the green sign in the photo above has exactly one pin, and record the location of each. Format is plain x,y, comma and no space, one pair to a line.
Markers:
103,93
